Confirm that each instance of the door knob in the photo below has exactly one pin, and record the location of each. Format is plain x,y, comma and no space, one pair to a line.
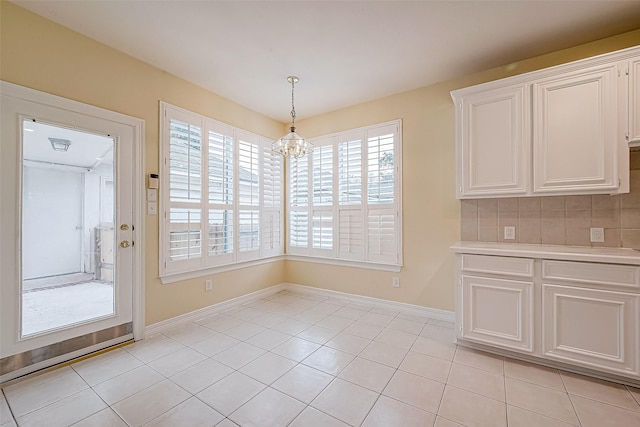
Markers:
124,227
124,244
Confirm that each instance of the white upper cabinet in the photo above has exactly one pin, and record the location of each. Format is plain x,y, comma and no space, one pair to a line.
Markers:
494,138
634,99
558,131
575,135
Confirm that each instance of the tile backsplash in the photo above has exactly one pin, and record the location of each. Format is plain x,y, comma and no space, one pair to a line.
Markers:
558,220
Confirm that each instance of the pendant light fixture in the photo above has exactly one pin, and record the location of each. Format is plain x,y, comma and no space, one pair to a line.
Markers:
292,144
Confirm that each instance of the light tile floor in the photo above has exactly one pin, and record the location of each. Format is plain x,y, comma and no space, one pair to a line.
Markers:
303,361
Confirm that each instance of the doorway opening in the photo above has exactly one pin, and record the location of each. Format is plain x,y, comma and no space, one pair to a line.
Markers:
68,235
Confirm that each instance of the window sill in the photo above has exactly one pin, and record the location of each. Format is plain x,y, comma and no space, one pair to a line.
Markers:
168,278
345,262
186,275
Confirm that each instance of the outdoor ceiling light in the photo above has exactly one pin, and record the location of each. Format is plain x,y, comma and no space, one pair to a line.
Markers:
59,144
292,144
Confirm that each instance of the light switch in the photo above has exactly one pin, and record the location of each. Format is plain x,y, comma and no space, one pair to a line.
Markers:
152,195
152,208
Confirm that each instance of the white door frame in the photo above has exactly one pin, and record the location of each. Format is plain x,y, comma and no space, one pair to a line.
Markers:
9,233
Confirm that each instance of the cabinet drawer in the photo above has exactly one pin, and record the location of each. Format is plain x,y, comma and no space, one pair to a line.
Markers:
622,276
510,266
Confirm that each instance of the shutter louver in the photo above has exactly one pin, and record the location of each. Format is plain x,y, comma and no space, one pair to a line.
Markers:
272,203
271,233
380,172
184,234
381,235
272,179
220,232
248,174
323,176
350,172
299,229
185,162
323,230
350,234
299,182
249,230
220,169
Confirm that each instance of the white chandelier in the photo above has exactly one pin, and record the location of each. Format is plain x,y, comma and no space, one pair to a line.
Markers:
292,144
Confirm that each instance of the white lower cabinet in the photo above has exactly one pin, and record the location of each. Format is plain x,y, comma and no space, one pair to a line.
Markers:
591,327
498,312
563,311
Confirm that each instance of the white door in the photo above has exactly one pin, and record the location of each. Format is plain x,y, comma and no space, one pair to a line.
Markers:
54,152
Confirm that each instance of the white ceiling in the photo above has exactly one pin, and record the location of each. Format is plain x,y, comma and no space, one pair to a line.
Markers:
86,150
345,52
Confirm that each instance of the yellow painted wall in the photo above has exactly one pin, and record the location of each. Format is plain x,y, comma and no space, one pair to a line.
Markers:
430,210
42,55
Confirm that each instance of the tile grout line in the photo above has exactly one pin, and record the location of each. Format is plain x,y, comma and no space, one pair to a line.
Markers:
573,406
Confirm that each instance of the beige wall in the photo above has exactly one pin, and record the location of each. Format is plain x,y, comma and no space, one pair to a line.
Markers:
430,211
42,55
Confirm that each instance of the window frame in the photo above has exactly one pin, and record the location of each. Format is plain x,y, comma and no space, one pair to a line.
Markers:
270,241
361,212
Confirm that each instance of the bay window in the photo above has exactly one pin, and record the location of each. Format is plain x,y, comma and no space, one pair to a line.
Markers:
229,214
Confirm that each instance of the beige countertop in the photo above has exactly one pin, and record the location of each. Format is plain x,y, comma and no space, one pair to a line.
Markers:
572,253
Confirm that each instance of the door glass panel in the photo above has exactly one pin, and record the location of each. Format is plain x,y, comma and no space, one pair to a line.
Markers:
68,236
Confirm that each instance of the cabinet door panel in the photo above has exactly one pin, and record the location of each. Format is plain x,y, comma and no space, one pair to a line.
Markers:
493,143
498,312
634,100
593,328
575,131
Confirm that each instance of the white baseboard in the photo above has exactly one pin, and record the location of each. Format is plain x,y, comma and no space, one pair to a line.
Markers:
183,319
192,316
402,307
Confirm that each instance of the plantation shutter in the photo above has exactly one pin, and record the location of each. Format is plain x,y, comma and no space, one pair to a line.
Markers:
221,195
221,219
299,224
248,199
382,217
350,234
271,203
185,191
350,172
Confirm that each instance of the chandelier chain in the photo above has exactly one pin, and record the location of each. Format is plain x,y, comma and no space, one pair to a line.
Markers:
293,108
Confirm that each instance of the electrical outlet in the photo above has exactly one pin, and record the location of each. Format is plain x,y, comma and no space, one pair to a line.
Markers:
395,282
208,285
509,233
597,234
